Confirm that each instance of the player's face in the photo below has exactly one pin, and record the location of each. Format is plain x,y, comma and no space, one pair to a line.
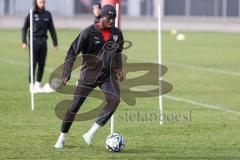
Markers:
108,22
41,4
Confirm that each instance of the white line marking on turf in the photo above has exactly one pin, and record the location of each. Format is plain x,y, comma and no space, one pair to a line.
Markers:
21,63
213,70
182,65
26,65
210,106
194,67
215,107
13,62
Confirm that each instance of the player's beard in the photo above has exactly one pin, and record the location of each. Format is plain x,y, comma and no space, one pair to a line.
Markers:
108,25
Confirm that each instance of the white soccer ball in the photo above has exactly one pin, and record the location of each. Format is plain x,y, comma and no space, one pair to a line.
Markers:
55,83
180,37
115,143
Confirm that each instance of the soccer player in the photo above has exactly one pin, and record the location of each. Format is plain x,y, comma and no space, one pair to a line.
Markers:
97,12
93,42
42,22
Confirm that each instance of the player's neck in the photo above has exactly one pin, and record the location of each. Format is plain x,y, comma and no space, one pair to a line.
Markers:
40,10
100,26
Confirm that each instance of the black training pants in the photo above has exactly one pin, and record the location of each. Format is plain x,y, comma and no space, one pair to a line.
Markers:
39,58
111,91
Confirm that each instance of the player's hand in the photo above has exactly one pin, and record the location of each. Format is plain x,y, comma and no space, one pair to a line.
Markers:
24,45
64,82
119,74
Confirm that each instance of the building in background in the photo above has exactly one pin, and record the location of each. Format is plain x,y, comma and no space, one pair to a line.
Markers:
185,15
75,7
17,7
132,8
207,8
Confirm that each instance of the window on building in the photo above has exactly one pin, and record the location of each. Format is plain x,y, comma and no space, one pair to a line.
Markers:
124,7
174,7
147,7
6,7
202,7
232,8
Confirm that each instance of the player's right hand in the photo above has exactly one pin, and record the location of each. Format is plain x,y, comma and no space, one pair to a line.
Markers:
119,74
24,45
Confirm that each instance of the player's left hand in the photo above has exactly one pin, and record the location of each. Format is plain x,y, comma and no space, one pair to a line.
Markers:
119,74
24,45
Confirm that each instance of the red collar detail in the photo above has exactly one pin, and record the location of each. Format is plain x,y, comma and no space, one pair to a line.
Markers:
106,33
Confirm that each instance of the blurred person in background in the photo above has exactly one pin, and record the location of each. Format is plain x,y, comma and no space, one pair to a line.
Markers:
97,11
42,22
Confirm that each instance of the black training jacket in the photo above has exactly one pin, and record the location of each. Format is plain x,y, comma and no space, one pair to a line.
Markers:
42,21
100,58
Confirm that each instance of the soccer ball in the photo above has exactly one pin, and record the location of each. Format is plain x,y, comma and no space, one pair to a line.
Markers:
180,37
115,143
55,83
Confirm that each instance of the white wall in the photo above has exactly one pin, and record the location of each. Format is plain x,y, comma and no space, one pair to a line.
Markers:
65,8
12,7
23,8
69,8
156,4
60,7
134,8
1,7
57,7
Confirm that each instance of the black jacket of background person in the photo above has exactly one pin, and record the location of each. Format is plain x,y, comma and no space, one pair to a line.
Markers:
95,53
42,21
